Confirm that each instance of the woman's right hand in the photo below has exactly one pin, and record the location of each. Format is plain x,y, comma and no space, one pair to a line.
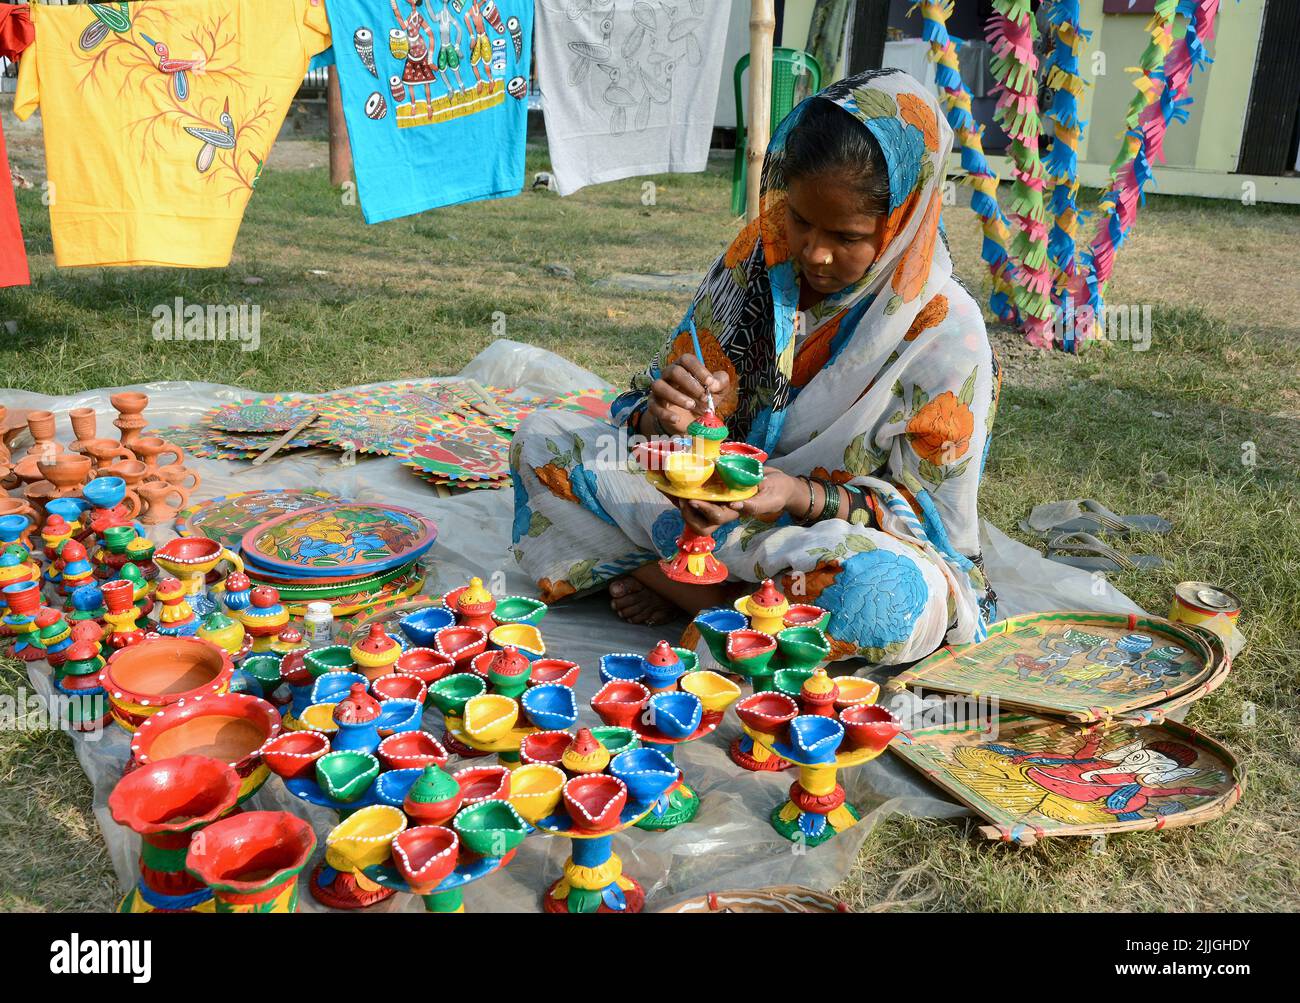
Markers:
679,395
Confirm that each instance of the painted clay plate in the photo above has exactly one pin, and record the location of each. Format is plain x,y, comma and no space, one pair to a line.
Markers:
1032,778
270,414
228,518
1083,667
337,539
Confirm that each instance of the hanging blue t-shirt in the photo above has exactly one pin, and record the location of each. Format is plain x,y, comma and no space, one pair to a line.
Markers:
435,94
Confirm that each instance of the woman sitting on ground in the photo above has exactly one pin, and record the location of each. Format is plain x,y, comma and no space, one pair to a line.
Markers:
836,339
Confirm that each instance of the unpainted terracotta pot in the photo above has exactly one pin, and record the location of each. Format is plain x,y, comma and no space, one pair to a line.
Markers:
67,472
158,509
84,426
150,448
105,452
130,422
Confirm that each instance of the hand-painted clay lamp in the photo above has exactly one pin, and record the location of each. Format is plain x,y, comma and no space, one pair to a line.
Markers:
87,604
226,633
76,569
252,861
143,593
665,701
53,636
820,741
762,635
120,613
175,617
77,681
167,802
236,593
263,618
229,727
486,612
143,678
376,652
694,562
24,602
595,805
191,558
357,717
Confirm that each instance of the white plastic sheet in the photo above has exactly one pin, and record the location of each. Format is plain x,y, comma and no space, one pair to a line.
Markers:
730,843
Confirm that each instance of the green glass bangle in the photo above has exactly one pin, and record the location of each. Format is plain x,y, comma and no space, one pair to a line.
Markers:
831,502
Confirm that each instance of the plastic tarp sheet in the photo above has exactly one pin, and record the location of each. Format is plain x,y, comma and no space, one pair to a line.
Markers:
730,844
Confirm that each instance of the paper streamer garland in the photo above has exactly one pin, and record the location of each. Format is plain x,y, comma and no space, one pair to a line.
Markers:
1011,33
984,197
1062,163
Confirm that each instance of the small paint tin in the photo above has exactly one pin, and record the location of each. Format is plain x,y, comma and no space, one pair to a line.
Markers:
1202,603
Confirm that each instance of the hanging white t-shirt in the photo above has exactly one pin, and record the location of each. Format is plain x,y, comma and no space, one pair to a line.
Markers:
629,87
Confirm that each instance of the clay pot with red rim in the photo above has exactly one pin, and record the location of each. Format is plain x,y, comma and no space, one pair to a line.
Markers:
143,678
620,702
869,726
595,801
293,754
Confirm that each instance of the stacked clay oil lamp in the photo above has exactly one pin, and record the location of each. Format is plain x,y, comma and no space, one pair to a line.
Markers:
251,861
226,633
121,614
167,803
375,653
493,709
812,733
666,701
77,681
473,605
446,838
708,469
763,634
24,602
264,617
76,569
175,617
603,796
87,604
53,636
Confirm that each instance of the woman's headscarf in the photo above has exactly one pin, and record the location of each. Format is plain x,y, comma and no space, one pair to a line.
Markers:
744,311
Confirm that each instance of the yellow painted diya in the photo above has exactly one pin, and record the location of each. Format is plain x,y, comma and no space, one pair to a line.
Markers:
364,839
766,608
144,678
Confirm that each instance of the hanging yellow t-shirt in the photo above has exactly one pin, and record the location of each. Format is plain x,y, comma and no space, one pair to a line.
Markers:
158,118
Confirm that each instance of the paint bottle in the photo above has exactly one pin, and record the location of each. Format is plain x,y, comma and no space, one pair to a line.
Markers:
318,624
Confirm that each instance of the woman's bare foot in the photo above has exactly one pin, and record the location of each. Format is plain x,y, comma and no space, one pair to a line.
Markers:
635,603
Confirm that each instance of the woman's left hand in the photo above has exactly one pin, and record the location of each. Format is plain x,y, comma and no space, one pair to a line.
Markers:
774,496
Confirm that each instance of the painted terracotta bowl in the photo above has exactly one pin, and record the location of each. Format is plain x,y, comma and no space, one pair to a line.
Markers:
550,707
264,670
399,687
229,727
622,665
451,693
675,714
743,449
554,670
490,717
855,691
803,647
490,828
716,692
293,754
144,678
331,658
522,636
619,702
535,790
595,801
750,651
767,713
346,775
364,838
334,686
802,615
814,739
646,772
174,795
425,856
616,739
409,749
399,715
652,455
245,857
869,726
544,747
722,620
790,681
422,626
424,664
685,469
519,609
319,717
460,644
738,471
483,783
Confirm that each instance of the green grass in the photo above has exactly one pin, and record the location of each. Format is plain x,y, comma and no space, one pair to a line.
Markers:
418,296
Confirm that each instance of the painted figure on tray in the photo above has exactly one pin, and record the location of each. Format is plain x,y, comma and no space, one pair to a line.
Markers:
1088,787
835,339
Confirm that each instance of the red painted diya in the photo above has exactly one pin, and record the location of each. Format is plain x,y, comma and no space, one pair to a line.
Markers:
545,747
620,702
767,712
554,670
483,783
595,801
424,664
399,687
425,855
293,754
408,750
869,726
460,644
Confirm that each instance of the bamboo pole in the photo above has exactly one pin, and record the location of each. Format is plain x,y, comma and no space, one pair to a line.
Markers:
762,27
340,150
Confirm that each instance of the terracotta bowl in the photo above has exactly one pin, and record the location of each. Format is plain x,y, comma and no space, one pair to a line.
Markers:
399,687
854,691
550,707
422,626
483,783
616,740
535,790
646,772
425,856
676,714
460,644
293,754
229,727
144,678
489,717
595,801
175,795
743,449
544,747
345,776
490,828
409,749
424,664
716,692
767,713
554,670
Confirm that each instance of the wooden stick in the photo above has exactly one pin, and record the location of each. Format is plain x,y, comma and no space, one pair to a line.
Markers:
489,408
276,446
762,26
